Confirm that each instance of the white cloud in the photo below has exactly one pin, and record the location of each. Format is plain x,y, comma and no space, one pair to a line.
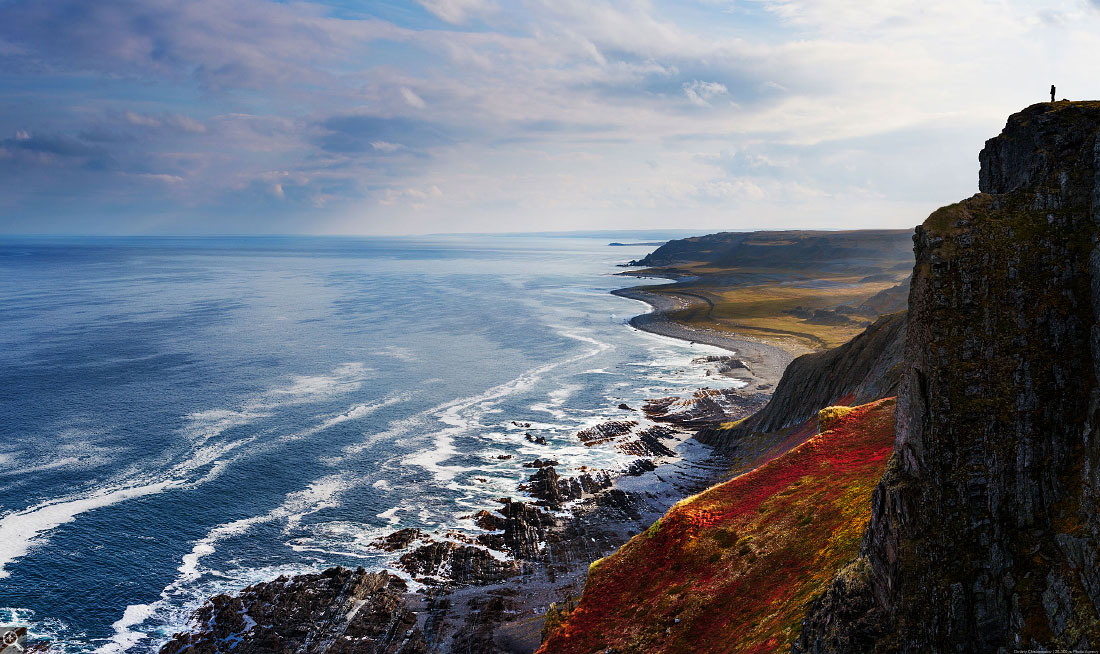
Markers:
412,99
700,93
141,120
183,123
456,11
565,112
386,146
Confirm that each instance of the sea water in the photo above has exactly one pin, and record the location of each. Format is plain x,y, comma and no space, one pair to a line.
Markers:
183,417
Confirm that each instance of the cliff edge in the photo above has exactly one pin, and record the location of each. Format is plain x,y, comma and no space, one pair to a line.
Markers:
985,528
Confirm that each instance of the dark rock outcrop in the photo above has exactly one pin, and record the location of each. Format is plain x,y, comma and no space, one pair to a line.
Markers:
397,540
606,431
648,443
522,527
552,490
706,407
864,369
454,563
335,612
985,529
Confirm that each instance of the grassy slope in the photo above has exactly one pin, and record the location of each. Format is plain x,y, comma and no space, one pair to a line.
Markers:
758,310
731,569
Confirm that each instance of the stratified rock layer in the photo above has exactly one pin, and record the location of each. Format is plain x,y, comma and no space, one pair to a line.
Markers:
985,528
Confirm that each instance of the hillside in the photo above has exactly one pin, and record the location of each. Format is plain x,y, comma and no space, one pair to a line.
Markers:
799,249
866,368
731,569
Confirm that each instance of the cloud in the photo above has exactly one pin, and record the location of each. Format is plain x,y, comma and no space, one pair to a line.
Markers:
175,121
412,99
456,11
700,93
386,146
220,43
60,145
360,133
566,112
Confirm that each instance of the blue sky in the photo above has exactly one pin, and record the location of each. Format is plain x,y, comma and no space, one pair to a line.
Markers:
389,117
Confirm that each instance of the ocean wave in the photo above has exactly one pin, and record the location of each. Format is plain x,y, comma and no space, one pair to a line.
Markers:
320,494
20,531
463,414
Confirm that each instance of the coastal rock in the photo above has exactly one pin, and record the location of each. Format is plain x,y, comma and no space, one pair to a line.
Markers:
540,463
606,432
455,563
706,407
640,467
985,529
647,444
553,490
522,528
397,540
338,611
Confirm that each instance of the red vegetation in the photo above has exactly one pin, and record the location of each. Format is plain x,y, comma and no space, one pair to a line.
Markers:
731,569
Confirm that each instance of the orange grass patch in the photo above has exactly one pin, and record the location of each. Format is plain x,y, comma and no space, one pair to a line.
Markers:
732,569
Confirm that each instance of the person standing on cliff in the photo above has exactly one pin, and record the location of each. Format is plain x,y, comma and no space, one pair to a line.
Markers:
1052,93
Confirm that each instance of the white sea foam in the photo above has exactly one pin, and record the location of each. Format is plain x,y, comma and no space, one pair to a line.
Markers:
397,352
22,530
463,414
203,425
308,388
354,413
558,397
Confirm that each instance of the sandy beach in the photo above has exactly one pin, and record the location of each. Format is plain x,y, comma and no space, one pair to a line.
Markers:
766,362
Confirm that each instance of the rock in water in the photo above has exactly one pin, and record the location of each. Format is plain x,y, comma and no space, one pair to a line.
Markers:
338,611
985,529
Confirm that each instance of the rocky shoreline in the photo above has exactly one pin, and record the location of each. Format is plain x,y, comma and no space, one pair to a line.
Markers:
491,592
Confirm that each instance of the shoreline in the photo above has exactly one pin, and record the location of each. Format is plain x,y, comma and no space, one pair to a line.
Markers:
480,603
766,362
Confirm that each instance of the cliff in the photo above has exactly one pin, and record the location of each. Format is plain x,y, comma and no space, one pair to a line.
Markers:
730,570
985,528
864,369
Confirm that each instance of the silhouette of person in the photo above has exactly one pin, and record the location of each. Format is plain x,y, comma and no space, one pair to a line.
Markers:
1052,93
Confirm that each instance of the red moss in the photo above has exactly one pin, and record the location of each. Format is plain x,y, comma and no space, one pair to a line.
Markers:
731,569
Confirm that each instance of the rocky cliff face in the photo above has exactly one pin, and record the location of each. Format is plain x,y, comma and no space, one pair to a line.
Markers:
985,528
864,369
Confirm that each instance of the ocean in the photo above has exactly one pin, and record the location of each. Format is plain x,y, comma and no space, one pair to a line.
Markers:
181,417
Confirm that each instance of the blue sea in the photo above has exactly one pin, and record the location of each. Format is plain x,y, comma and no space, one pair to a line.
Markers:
181,417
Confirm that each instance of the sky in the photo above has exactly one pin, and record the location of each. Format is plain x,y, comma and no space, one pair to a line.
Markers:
429,116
